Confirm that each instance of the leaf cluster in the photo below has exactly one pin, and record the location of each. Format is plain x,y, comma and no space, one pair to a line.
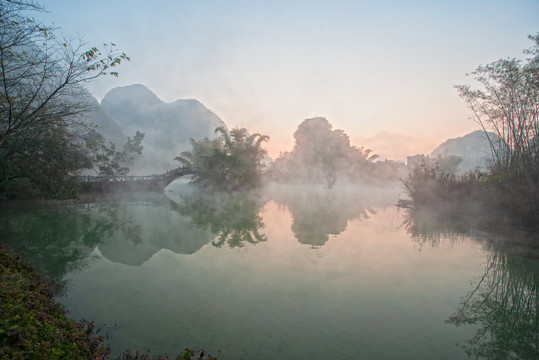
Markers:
105,159
33,325
231,161
507,103
42,99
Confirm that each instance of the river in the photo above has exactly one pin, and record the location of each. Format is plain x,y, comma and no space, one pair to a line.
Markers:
285,273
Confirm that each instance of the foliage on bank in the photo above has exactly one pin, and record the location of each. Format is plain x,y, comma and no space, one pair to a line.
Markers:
33,325
475,197
322,154
507,105
44,138
232,161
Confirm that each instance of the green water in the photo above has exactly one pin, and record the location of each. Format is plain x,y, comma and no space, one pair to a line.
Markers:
287,273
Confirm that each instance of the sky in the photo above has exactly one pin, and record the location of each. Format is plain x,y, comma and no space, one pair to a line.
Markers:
383,71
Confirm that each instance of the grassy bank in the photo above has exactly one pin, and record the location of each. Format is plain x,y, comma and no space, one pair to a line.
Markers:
476,198
34,326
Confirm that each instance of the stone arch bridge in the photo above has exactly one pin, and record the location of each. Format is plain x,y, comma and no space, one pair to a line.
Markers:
112,183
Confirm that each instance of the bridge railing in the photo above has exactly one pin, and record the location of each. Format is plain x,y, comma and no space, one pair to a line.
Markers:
182,170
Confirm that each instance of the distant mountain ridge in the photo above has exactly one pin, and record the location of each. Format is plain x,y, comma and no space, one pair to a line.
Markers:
473,148
107,127
167,126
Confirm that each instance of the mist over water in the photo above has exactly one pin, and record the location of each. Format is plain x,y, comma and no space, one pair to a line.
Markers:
298,272
193,230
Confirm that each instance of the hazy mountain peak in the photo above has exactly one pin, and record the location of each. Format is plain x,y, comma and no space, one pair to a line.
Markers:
131,93
473,148
167,126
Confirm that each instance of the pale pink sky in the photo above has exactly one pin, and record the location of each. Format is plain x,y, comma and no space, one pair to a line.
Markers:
381,71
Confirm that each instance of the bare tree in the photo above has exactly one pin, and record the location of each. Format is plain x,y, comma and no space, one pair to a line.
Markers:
508,105
41,95
41,73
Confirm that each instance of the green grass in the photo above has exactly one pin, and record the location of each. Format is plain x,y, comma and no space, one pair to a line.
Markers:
34,326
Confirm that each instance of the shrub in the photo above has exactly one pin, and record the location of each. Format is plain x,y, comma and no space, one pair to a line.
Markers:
33,325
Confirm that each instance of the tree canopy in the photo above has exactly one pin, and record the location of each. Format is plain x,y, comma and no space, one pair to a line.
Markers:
322,154
41,99
506,102
231,161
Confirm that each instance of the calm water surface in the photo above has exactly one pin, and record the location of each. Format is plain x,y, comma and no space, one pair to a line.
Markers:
285,274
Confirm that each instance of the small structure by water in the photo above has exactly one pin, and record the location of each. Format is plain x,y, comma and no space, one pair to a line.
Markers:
113,183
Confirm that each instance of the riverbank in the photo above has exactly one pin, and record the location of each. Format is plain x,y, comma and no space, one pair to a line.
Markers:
481,199
34,326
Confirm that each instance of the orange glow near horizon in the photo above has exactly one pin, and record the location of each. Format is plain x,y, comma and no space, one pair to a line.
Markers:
384,72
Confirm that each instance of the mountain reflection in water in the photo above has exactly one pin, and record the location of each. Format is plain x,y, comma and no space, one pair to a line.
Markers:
230,271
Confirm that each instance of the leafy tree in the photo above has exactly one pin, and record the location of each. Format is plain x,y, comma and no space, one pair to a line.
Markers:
105,159
203,157
230,162
41,73
41,97
322,153
507,104
42,160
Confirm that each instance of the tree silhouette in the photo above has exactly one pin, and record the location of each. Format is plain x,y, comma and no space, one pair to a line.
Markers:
230,162
42,98
322,153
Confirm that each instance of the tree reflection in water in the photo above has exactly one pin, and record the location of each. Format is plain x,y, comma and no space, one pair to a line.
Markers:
232,216
317,214
430,227
55,239
61,238
503,302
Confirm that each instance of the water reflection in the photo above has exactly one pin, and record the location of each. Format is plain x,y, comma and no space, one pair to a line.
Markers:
55,239
357,295
59,239
430,227
503,301
145,225
318,214
233,217
504,306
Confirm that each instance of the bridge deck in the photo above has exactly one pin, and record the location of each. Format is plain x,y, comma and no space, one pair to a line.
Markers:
97,183
180,171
